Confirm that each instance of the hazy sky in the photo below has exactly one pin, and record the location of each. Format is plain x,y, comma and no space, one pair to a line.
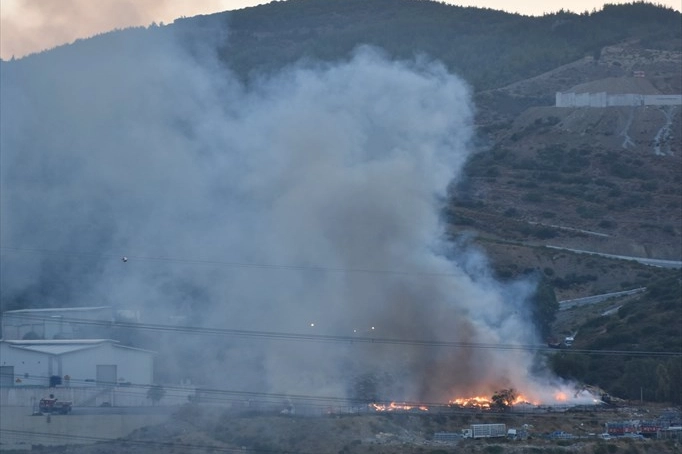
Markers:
28,26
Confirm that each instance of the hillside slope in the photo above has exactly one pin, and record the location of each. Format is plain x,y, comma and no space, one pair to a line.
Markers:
651,322
596,179
603,180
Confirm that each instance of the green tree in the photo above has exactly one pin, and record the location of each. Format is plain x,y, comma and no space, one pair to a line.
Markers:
544,306
673,377
504,398
663,382
365,388
639,377
156,393
570,365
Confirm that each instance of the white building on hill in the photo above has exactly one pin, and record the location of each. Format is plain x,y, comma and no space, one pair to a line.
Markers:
603,99
617,92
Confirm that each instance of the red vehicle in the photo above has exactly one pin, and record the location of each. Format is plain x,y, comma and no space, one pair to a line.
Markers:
53,405
620,428
650,428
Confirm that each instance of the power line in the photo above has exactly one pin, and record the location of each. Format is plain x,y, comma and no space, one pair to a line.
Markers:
226,395
257,334
226,263
258,399
440,410
146,443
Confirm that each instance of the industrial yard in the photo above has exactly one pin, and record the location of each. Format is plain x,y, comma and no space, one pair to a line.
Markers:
200,429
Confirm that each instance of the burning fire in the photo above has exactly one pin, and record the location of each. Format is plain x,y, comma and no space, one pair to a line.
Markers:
485,402
558,396
393,406
472,402
561,396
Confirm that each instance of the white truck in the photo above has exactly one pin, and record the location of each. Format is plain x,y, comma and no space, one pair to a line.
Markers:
485,431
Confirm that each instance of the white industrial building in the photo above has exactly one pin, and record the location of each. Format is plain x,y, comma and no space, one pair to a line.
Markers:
93,322
617,92
603,99
73,363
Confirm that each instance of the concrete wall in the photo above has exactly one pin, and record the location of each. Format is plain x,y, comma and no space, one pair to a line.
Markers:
581,99
96,396
663,100
625,100
603,99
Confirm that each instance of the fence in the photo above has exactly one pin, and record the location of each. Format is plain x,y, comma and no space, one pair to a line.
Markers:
95,396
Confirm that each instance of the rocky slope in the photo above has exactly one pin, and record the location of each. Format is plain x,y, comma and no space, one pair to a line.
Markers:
597,179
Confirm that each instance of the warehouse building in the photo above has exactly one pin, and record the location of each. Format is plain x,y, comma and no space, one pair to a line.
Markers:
73,363
59,323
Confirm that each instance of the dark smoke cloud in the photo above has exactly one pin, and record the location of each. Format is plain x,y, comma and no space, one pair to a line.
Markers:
328,176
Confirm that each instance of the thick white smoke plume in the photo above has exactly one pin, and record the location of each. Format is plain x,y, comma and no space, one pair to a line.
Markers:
302,202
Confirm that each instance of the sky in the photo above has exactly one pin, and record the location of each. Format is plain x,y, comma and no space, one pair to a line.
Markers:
28,26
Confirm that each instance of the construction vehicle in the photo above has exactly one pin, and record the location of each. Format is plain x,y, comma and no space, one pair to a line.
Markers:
51,405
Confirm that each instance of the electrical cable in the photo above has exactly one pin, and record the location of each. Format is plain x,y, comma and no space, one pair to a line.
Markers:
147,443
225,263
350,340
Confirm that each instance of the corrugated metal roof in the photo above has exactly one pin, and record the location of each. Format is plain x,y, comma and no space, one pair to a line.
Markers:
63,346
58,309
126,347
57,341
55,349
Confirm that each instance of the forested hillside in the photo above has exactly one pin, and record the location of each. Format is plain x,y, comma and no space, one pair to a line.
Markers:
488,48
652,323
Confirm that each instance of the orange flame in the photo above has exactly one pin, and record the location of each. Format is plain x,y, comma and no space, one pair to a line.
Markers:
394,406
560,396
521,399
485,402
472,402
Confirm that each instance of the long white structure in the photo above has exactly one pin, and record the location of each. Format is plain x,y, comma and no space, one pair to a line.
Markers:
82,362
603,99
58,323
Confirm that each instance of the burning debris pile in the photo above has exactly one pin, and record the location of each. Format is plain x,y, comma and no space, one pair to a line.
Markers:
393,406
503,400
508,399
